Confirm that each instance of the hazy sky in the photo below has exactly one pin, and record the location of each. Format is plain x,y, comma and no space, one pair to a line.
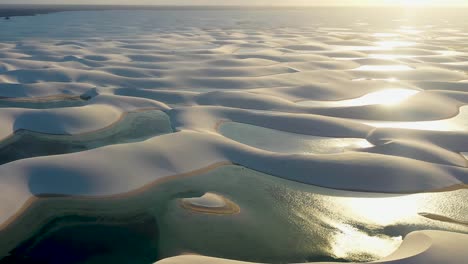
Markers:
248,2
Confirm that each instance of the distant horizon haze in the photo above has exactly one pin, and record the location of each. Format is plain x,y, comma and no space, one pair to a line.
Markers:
404,3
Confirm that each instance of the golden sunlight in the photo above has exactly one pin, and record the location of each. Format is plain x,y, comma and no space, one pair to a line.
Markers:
396,44
456,123
384,68
385,211
348,240
387,97
413,3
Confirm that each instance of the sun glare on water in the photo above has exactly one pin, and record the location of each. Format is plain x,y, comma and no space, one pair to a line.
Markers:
396,44
388,96
350,240
381,68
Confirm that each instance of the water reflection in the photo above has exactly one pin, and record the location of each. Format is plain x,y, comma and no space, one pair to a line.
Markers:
284,142
395,44
380,68
135,126
44,103
379,46
383,211
449,53
390,56
368,226
383,97
47,102
457,123
349,241
322,224
385,35
361,48
410,31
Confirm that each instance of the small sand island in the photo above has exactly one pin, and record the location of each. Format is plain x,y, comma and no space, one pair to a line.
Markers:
210,203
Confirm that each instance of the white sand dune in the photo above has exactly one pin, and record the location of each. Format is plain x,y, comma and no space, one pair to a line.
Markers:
371,106
101,112
95,172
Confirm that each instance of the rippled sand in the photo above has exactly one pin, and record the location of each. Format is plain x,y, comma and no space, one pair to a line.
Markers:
371,109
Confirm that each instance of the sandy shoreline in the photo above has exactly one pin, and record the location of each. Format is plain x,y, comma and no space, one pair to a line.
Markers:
31,200
142,189
118,206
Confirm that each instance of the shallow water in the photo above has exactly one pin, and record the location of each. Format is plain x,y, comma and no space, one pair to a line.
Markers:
322,224
72,102
284,142
80,239
457,123
383,97
134,127
60,101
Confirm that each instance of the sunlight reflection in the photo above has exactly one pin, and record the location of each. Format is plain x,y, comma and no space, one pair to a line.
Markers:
385,35
421,125
384,97
362,48
368,226
410,30
465,154
450,53
392,210
387,97
375,79
349,240
384,211
396,44
390,56
384,68
457,123
286,142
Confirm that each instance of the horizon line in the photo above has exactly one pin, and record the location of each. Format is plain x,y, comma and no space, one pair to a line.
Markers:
242,6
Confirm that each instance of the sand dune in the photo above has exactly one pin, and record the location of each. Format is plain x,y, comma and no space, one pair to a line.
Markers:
95,172
378,107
